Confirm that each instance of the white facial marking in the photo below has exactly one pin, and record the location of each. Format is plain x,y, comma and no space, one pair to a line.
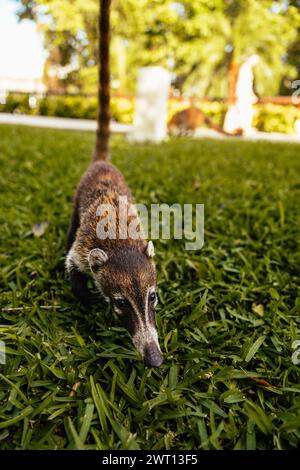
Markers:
149,291
99,287
118,311
146,333
144,337
118,297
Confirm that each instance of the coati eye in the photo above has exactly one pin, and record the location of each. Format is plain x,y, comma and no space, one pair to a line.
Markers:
120,303
152,298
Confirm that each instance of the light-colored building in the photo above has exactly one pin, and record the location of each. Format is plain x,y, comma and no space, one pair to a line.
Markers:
22,56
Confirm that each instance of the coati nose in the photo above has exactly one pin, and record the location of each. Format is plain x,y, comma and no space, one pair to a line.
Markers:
152,355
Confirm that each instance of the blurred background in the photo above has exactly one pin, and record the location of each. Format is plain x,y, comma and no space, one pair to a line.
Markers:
48,56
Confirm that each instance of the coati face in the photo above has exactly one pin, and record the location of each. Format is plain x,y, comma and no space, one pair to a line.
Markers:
127,278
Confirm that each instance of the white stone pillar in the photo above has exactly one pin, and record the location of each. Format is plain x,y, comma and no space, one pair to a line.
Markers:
150,117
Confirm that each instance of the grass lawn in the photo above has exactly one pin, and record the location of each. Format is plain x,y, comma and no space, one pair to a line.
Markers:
227,315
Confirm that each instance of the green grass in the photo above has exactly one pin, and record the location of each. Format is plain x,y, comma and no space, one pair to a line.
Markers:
227,315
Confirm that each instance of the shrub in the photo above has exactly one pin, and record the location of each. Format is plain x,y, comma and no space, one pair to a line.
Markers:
268,117
276,118
17,103
68,106
122,110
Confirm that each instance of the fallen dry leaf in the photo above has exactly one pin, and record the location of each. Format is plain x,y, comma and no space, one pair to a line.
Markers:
259,309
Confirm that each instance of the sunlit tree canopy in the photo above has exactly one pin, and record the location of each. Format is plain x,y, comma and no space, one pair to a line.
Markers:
195,40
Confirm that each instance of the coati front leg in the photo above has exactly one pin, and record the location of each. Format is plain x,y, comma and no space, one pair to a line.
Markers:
78,280
73,227
79,287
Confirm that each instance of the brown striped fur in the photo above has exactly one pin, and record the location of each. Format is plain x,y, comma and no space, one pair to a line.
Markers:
128,272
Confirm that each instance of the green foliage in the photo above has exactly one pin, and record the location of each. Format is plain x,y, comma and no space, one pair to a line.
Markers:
16,103
196,40
122,110
227,315
268,117
276,118
68,106
256,28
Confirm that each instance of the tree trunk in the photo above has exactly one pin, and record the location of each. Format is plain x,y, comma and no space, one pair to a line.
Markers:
101,151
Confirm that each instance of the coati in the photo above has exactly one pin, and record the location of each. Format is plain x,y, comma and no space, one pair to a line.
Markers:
122,267
187,121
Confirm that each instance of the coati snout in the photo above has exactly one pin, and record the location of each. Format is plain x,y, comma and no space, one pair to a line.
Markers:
127,278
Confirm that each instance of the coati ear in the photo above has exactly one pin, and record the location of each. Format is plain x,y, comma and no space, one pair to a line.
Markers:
96,259
150,252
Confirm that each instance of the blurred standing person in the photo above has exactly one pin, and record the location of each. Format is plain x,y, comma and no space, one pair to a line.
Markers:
239,116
